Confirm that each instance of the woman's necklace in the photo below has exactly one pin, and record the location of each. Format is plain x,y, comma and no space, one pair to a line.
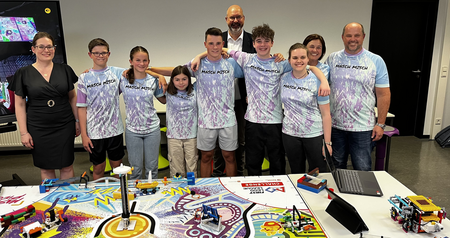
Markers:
304,75
44,70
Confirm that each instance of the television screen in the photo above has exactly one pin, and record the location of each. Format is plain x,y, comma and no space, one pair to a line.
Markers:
19,22
17,29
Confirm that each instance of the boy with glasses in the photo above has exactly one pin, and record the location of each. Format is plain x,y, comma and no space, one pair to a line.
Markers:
98,109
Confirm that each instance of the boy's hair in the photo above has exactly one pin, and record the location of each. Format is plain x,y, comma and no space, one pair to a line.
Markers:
130,73
40,35
213,31
180,69
297,46
263,31
97,42
316,37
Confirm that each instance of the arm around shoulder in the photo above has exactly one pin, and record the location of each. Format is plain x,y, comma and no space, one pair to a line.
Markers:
324,89
166,71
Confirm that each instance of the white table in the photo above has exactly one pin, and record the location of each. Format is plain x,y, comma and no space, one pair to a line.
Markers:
373,210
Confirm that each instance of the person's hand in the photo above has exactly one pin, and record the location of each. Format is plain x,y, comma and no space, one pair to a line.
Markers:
225,54
77,129
195,63
124,73
278,57
324,89
377,133
162,83
330,149
87,143
27,140
85,71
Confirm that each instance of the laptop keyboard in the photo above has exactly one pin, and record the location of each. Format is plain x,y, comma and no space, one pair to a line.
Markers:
350,181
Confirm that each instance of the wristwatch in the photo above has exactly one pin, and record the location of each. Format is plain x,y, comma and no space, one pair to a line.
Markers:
381,125
328,143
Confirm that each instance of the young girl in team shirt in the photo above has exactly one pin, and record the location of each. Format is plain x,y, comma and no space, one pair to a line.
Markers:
142,123
182,122
307,120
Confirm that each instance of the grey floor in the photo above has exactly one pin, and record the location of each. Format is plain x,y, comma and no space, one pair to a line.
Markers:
420,164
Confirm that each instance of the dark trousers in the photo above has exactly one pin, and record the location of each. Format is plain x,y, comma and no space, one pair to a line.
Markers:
258,137
298,150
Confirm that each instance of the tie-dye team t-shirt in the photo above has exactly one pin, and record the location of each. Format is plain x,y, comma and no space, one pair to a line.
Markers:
302,117
324,68
262,81
353,79
98,91
182,116
138,98
215,92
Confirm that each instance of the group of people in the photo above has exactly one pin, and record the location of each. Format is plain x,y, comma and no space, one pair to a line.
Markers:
235,103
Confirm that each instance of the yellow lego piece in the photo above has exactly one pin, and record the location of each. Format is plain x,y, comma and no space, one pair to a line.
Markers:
424,203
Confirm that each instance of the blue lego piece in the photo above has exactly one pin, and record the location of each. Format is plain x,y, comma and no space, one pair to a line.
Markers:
190,178
42,189
310,188
210,212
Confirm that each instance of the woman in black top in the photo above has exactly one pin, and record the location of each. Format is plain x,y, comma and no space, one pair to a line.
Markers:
46,109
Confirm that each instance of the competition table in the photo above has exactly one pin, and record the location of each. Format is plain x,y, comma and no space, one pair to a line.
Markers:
375,211
248,206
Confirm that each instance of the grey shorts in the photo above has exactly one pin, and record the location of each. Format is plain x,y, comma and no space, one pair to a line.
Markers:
206,138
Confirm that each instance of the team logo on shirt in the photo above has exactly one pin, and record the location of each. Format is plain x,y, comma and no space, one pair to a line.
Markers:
130,86
215,72
110,81
296,87
265,70
184,96
351,66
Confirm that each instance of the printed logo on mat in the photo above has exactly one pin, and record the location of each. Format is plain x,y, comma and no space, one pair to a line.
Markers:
260,187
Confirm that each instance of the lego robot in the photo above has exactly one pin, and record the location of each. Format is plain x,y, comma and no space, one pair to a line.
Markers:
417,214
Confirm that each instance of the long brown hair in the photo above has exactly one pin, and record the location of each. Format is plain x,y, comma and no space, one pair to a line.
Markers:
130,73
180,69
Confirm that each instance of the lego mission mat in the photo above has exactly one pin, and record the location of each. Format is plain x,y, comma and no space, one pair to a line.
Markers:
213,207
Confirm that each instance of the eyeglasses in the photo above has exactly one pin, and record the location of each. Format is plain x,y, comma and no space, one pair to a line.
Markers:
97,54
48,47
236,18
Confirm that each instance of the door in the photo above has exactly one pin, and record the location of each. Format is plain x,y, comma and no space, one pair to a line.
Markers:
402,33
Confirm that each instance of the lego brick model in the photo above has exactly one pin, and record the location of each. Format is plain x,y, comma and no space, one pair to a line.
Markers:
417,214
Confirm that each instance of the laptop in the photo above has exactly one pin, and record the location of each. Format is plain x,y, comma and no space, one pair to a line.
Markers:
353,181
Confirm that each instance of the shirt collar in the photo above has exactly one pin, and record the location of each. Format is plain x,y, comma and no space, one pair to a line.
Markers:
240,37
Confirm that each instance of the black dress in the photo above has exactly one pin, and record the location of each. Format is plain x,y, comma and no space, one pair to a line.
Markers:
50,119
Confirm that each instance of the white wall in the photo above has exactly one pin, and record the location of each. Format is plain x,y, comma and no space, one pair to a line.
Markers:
438,104
173,31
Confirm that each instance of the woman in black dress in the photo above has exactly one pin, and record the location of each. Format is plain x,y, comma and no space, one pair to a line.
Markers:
46,109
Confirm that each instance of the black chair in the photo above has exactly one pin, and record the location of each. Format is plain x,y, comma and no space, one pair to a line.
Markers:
16,181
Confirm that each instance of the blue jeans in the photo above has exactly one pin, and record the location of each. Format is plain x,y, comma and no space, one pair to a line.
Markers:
357,144
140,146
